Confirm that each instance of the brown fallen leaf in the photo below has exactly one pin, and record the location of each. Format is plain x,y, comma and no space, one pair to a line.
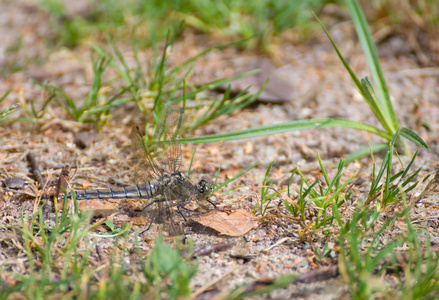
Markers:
139,221
236,223
99,208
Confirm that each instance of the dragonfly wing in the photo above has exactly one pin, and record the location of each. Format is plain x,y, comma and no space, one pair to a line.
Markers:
161,158
165,142
168,215
146,167
176,196
163,154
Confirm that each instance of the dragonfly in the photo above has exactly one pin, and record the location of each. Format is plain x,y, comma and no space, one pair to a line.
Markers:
159,178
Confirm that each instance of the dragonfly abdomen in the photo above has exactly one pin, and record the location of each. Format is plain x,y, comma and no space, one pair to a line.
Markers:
146,189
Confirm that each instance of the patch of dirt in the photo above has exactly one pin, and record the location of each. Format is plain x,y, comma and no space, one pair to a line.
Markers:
318,87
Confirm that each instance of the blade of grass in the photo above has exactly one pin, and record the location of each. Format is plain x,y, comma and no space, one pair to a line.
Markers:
2,98
413,137
236,176
190,163
322,168
362,86
285,127
366,150
371,54
7,111
92,97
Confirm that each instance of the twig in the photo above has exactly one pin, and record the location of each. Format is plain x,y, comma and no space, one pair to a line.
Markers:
62,185
279,242
430,189
36,172
319,274
35,168
206,250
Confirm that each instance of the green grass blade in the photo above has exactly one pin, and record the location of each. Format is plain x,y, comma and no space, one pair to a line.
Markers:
212,111
341,188
234,177
7,111
123,73
377,179
92,97
410,164
190,163
285,127
336,180
71,107
323,170
120,58
159,77
371,54
365,151
374,106
217,83
310,190
5,95
373,102
413,137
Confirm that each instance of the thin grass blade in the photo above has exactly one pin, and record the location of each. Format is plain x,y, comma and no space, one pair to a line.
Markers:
285,127
413,137
371,54
236,176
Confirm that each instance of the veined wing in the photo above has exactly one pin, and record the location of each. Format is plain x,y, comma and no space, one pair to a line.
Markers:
180,191
168,216
165,142
160,160
163,155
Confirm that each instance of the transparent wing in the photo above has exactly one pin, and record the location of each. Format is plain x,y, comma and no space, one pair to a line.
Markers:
162,155
165,142
182,193
169,216
176,196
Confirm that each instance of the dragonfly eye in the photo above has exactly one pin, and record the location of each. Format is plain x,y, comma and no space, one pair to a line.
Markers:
204,187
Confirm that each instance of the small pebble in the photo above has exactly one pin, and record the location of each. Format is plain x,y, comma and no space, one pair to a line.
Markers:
14,183
85,139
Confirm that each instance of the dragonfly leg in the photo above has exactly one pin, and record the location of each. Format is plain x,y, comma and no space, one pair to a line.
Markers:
150,223
152,220
181,213
211,203
147,228
159,212
152,202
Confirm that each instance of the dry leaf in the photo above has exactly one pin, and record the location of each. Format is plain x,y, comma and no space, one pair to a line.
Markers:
233,224
99,208
139,221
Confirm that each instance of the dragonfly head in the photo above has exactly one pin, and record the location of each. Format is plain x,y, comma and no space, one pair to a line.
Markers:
204,187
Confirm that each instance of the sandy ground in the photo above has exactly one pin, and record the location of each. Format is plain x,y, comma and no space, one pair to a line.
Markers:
312,81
